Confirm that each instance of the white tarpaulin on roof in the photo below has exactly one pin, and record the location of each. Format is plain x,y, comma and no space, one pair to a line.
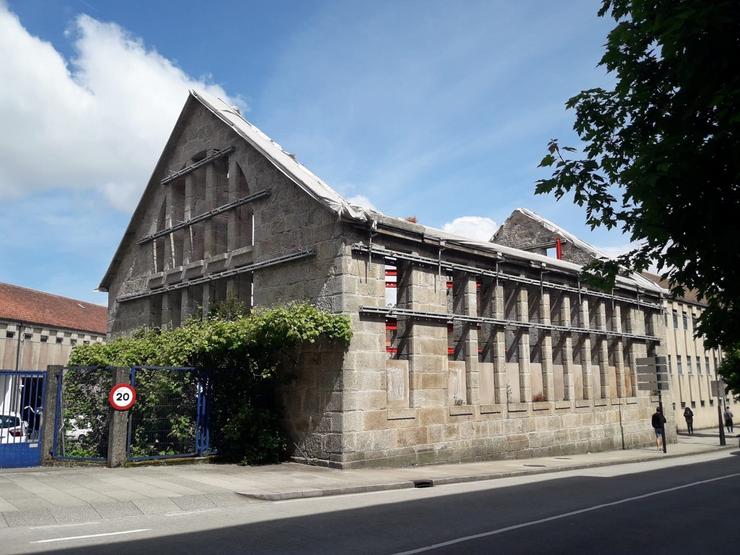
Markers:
285,162
315,187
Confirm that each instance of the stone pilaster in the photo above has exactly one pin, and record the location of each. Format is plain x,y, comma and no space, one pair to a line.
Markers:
619,357
169,239
588,391
185,308
187,255
428,343
232,222
548,377
525,387
209,233
568,377
472,376
601,388
499,345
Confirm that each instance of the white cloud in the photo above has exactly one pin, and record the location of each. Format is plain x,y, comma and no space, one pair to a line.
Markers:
362,201
474,227
99,120
616,250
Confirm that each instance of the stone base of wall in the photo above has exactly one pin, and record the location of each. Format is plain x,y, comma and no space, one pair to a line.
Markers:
469,434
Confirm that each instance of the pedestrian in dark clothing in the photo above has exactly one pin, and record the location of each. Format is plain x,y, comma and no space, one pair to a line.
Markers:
728,420
658,421
688,414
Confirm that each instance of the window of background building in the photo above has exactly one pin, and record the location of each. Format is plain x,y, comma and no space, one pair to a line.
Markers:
706,364
679,368
698,366
670,368
688,364
675,319
685,321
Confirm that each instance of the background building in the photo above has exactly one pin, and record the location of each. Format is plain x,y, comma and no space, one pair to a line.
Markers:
692,367
38,329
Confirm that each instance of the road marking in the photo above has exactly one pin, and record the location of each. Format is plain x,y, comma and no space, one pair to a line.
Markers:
71,538
562,515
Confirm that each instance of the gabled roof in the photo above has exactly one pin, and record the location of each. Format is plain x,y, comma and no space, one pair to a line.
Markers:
313,185
642,281
319,190
19,304
272,151
547,224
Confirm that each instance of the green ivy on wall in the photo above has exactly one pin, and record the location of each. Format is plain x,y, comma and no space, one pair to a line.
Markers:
245,354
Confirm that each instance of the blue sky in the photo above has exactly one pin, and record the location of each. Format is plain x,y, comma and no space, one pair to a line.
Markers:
440,110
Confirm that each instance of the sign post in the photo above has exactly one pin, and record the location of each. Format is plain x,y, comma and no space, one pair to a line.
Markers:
718,390
652,375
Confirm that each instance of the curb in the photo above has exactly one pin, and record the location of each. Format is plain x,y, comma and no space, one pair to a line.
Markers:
412,483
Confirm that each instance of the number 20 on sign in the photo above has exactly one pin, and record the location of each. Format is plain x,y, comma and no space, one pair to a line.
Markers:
122,396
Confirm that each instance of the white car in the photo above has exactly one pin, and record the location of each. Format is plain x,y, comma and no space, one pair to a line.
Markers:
13,429
77,429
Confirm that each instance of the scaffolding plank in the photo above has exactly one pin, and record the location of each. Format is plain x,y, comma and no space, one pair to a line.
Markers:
446,317
499,275
200,163
200,217
218,275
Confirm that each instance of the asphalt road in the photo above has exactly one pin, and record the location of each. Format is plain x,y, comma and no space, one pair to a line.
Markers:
688,505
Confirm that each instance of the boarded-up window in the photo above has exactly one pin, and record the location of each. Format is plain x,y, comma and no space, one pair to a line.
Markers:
556,308
534,302
575,312
512,336
535,345
578,342
558,347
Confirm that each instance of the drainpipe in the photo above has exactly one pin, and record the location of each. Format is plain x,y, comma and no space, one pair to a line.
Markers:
18,345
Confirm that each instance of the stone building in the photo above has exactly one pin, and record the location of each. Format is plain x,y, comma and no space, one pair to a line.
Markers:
462,350
39,329
691,366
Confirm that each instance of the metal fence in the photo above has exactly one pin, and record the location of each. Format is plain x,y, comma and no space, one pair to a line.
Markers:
82,414
170,417
21,417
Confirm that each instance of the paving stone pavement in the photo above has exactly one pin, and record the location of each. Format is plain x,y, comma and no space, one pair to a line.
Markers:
66,495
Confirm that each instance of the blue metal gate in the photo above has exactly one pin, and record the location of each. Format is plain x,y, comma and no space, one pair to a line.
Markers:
21,417
170,417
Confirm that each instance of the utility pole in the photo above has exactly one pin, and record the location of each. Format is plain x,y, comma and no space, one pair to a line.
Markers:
662,422
719,392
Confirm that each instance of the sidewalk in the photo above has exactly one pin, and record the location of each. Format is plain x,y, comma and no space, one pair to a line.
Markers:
65,495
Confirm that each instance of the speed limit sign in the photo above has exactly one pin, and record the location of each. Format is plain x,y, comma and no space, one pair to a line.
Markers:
122,396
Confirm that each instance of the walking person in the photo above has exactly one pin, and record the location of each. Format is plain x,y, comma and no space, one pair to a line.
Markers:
688,414
728,419
658,421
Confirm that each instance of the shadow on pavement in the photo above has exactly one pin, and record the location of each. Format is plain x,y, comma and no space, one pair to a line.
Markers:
677,521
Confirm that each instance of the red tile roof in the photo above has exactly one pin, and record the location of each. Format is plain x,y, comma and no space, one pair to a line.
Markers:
36,307
689,295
